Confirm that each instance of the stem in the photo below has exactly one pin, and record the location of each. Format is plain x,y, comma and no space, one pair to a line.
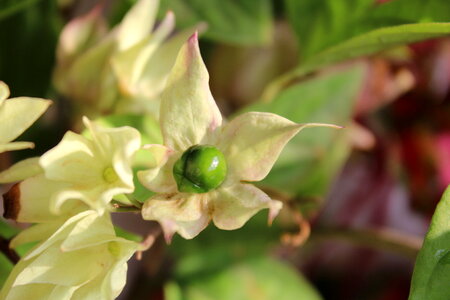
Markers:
8,252
382,238
133,201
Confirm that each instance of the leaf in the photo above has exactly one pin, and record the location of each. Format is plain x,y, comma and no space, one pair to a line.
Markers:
361,45
244,22
431,275
11,7
259,278
376,41
311,159
322,24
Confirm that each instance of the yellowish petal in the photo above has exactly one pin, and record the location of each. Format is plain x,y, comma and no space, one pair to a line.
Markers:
188,111
253,141
234,205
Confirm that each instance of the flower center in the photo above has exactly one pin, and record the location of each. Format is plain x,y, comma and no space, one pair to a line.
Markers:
110,175
200,169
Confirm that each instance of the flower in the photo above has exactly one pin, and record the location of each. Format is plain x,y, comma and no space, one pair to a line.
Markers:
206,164
16,115
122,70
92,170
82,259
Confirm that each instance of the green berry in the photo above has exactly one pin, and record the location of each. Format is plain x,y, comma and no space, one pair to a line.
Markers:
200,169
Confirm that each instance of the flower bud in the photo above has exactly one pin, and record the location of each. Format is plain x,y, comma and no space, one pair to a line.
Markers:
200,169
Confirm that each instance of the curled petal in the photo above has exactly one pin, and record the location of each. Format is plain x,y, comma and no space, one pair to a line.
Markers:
188,111
17,114
186,214
73,160
253,141
234,205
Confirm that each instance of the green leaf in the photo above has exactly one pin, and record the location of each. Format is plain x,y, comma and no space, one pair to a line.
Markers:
120,232
259,278
243,22
376,41
5,268
7,231
311,159
431,275
11,7
322,24
364,44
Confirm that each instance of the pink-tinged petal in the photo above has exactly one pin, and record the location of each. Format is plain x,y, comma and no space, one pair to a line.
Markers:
80,34
188,111
253,141
233,206
156,157
186,214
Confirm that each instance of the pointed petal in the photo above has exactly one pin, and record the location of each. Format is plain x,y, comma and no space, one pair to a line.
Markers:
253,141
35,233
188,110
17,114
23,169
186,214
234,205
137,23
4,92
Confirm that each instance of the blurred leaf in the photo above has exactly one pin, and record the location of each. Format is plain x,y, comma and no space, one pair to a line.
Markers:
376,41
258,278
322,24
7,231
311,159
432,271
239,22
10,7
364,44
5,268
28,40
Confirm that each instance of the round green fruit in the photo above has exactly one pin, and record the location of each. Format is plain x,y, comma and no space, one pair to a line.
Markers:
200,169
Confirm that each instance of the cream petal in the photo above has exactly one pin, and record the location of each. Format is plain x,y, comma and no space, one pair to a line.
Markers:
137,23
188,111
186,214
4,92
253,141
234,205
17,114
